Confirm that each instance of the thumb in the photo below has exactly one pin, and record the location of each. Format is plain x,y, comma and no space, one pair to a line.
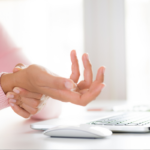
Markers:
19,67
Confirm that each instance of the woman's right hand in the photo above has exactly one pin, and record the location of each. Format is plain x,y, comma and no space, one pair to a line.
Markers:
37,79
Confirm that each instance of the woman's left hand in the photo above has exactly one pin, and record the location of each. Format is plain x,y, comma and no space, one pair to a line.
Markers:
23,102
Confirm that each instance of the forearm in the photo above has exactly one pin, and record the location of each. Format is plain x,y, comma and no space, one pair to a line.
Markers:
7,82
3,98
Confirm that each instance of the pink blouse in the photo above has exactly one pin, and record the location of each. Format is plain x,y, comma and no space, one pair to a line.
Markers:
10,55
3,98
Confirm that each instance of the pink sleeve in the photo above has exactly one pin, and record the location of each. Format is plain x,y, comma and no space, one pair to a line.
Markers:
10,55
3,98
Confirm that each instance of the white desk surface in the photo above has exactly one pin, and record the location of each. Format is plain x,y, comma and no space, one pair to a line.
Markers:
15,133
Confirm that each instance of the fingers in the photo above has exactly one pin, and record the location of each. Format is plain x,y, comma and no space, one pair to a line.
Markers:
95,90
75,67
34,103
24,93
20,111
29,109
82,98
76,97
88,75
29,104
18,67
100,74
28,101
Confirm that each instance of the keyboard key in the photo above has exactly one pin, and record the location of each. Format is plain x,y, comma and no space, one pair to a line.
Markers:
98,123
107,124
120,124
132,124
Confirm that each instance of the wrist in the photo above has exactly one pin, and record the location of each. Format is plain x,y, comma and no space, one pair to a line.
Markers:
7,82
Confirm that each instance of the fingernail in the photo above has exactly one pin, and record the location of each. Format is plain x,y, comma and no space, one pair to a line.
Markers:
12,101
103,86
16,90
87,56
103,70
17,67
10,96
74,88
68,85
11,104
22,67
74,52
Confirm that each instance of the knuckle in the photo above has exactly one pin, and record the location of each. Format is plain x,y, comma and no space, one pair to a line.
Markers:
23,92
31,66
39,96
78,73
16,97
36,103
30,69
34,111
18,102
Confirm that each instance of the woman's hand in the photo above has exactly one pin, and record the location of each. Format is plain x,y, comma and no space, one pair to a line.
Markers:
37,79
85,91
82,93
23,102
83,86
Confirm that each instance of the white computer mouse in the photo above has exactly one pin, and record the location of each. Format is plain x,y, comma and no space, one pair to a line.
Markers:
78,132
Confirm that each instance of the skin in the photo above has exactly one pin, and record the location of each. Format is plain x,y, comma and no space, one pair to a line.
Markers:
37,79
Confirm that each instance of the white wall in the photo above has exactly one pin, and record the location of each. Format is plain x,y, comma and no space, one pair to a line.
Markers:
46,30
138,50
47,36
105,42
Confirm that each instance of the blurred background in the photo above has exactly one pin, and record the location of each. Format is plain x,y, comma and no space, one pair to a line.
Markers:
115,33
